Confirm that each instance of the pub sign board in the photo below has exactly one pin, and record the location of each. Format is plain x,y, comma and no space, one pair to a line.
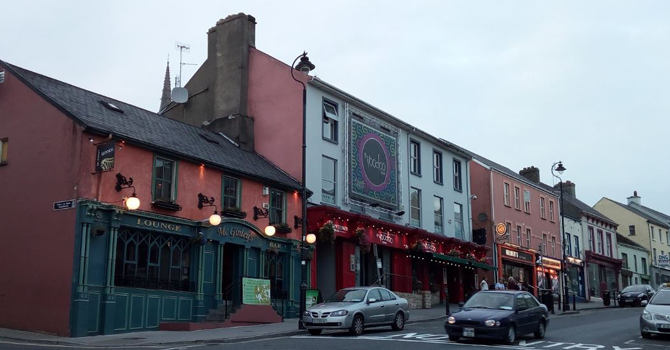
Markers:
104,159
373,163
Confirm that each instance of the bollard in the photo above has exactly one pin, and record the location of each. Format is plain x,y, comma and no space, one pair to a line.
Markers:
574,302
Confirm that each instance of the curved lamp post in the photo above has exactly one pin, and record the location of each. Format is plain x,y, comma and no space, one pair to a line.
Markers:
559,168
305,66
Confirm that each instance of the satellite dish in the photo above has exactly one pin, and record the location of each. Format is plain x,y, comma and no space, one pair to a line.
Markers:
179,95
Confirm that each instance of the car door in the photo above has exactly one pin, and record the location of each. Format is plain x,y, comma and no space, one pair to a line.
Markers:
390,305
536,312
374,308
523,315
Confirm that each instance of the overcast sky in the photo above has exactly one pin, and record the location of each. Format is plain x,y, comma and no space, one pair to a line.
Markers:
520,82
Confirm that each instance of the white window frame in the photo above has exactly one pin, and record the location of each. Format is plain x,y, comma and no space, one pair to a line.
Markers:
458,175
518,234
526,201
506,194
437,167
415,157
543,213
553,245
517,198
334,181
551,210
528,235
458,219
412,221
440,215
331,119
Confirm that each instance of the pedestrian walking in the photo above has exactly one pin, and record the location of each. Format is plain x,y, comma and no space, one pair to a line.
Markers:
511,283
483,285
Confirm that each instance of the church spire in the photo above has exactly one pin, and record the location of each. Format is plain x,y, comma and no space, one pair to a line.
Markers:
166,96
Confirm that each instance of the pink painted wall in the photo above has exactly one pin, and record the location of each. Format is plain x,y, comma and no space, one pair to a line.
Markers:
533,220
275,103
36,254
136,162
480,183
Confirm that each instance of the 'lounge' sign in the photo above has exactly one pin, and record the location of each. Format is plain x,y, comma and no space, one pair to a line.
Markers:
159,224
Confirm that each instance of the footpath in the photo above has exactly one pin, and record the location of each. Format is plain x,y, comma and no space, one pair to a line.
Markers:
210,336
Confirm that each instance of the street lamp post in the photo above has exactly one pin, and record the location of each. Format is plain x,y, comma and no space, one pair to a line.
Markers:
560,169
304,66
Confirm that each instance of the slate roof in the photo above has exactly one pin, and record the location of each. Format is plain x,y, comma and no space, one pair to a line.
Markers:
640,213
653,212
574,207
623,239
152,130
509,172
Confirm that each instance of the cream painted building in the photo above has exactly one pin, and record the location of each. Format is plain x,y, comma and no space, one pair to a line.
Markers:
647,230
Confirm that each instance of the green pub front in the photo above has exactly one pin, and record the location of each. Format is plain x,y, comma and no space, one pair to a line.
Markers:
137,270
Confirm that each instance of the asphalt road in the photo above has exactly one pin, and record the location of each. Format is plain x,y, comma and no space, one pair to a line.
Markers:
612,329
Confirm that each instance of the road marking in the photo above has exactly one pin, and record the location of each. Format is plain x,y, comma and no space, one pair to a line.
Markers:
585,346
630,341
77,345
618,348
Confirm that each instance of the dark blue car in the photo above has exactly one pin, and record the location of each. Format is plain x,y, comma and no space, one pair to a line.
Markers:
500,315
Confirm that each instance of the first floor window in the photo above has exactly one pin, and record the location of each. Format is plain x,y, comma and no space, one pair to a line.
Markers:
437,203
518,235
553,246
577,247
600,242
415,205
164,179
609,245
567,243
277,204
4,143
231,193
527,238
458,220
153,261
328,179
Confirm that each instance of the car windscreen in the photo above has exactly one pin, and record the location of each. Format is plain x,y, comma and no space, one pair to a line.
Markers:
662,298
497,301
347,295
634,289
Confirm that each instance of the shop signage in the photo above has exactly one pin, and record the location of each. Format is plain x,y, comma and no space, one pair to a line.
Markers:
373,160
234,231
159,224
575,261
104,159
664,260
501,229
255,291
429,247
385,237
340,228
312,296
518,255
274,245
551,263
62,205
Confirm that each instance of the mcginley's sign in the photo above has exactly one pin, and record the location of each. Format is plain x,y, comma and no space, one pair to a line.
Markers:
235,231
159,225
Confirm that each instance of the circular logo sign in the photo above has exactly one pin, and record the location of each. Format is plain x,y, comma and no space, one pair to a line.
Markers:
501,229
375,162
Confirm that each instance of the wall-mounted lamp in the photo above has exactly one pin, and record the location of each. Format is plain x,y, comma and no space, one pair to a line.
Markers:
203,201
260,213
310,238
132,202
297,222
270,230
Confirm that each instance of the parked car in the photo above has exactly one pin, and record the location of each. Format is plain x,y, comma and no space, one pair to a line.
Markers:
356,309
500,315
655,318
633,295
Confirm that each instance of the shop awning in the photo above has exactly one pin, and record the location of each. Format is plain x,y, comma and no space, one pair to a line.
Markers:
458,260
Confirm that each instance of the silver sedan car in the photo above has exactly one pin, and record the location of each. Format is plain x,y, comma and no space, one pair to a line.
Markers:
355,309
655,318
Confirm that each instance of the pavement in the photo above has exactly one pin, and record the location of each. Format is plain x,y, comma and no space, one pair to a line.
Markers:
221,335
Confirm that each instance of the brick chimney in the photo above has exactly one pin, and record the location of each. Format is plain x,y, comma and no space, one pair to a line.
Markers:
218,90
635,199
568,187
531,173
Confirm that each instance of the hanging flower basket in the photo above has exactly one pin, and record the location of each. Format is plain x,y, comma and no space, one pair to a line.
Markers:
454,252
417,247
233,212
327,232
199,239
483,260
363,240
282,228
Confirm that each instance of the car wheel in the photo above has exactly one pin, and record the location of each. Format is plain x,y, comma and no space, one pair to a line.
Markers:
645,335
315,331
511,335
454,337
539,333
357,325
398,322
622,304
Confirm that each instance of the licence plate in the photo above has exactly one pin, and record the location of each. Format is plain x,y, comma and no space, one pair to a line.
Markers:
664,326
469,332
629,300
319,320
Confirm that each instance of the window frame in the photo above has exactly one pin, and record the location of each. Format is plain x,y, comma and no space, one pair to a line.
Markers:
526,204
643,262
631,230
412,207
517,198
458,175
456,221
518,234
332,120
545,243
174,182
624,257
568,245
577,254
553,245
506,195
4,142
440,215
415,158
334,181
543,208
438,176
600,241
272,209
529,234
608,238
592,239
238,192
552,217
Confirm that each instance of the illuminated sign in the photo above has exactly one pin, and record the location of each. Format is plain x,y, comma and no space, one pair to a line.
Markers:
554,264
517,255
501,229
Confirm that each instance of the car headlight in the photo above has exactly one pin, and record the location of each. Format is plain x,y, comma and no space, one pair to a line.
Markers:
307,313
451,320
492,323
646,315
339,313
640,295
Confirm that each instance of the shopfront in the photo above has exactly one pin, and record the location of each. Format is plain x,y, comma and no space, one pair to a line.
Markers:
548,275
140,270
603,272
576,281
517,263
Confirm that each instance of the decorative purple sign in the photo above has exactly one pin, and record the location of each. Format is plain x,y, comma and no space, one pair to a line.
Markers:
373,165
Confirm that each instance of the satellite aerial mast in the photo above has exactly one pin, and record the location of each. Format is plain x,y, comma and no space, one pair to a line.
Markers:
180,94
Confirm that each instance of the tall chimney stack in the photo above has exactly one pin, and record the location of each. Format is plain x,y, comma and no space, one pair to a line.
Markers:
531,173
568,187
635,199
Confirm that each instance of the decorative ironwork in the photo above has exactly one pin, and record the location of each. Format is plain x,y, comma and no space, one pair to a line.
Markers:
297,222
122,183
260,213
203,201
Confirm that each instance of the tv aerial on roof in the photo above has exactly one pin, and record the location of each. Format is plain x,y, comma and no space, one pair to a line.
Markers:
179,93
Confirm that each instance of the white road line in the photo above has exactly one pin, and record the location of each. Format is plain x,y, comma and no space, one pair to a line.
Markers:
77,346
426,341
630,341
